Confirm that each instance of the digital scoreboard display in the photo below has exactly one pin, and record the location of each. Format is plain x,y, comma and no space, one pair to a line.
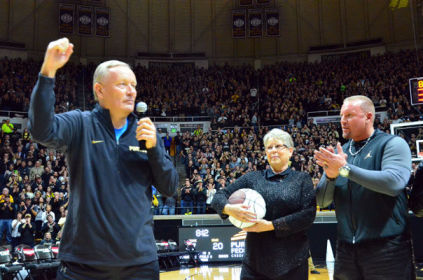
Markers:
215,244
416,90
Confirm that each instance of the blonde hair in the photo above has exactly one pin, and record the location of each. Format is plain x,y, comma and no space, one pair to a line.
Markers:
280,135
103,69
366,104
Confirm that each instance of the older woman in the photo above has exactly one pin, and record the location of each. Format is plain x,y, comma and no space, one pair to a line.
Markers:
277,246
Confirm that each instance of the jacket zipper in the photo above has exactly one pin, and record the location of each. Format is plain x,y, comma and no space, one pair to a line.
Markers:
354,226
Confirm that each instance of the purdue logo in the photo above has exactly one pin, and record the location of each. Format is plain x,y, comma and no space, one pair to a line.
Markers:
136,149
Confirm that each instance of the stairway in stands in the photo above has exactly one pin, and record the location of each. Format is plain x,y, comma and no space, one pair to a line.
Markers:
180,167
83,93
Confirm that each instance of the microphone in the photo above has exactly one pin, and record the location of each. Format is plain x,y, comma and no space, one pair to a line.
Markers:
141,108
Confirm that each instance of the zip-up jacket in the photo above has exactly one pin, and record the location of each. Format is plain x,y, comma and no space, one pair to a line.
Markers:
109,222
371,203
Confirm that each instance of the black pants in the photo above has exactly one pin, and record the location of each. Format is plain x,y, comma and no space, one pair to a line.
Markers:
298,273
387,259
78,271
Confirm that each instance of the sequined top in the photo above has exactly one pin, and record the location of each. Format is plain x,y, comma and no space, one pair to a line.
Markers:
290,205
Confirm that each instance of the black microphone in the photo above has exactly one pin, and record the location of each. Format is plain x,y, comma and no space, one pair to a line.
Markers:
141,108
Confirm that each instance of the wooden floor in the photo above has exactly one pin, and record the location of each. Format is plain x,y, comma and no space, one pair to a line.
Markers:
221,273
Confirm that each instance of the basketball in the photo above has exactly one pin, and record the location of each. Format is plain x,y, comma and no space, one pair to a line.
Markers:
237,197
251,198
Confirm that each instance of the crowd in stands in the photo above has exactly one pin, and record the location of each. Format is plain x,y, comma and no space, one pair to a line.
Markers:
242,105
285,92
34,197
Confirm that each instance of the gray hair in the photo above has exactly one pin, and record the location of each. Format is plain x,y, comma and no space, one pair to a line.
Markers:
280,135
366,104
103,69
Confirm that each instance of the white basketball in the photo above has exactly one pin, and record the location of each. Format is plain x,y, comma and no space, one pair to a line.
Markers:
257,206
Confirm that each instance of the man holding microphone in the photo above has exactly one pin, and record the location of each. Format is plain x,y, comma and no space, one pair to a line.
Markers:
108,232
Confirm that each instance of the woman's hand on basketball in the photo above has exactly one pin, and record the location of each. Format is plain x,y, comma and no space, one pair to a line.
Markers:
260,226
240,212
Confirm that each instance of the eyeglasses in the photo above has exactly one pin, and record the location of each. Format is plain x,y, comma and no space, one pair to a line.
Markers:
276,147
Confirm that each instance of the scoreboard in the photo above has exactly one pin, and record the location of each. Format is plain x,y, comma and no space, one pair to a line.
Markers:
215,243
416,90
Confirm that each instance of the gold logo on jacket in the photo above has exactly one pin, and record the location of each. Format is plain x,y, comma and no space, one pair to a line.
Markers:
136,149
97,141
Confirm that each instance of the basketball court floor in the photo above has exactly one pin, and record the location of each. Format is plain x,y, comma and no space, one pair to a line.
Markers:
228,272
232,272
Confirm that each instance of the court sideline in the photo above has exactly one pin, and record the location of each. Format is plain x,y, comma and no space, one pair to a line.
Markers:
231,272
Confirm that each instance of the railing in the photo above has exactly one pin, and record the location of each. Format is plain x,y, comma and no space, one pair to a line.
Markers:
180,119
13,114
19,114
326,113
323,113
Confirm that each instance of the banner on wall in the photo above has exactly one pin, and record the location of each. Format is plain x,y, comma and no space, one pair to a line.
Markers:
238,24
245,2
66,18
102,22
255,23
272,22
85,20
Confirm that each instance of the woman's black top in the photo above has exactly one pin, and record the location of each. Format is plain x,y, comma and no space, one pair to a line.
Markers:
290,206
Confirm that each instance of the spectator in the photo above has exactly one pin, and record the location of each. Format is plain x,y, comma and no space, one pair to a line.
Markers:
26,136
27,229
157,202
170,205
178,143
7,127
203,167
38,212
28,192
16,235
211,191
7,214
187,198
167,140
47,239
47,213
200,197
55,203
50,226
38,169
198,131
62,219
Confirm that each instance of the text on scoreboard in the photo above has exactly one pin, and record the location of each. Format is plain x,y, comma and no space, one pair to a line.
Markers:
215,244
416,90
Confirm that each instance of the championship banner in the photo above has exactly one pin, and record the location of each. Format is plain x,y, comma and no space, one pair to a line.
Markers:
85,20
238,24
245,2
255,23
66,18
102,22
262,2
272,22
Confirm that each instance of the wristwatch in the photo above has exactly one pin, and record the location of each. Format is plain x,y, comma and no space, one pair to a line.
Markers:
344,171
